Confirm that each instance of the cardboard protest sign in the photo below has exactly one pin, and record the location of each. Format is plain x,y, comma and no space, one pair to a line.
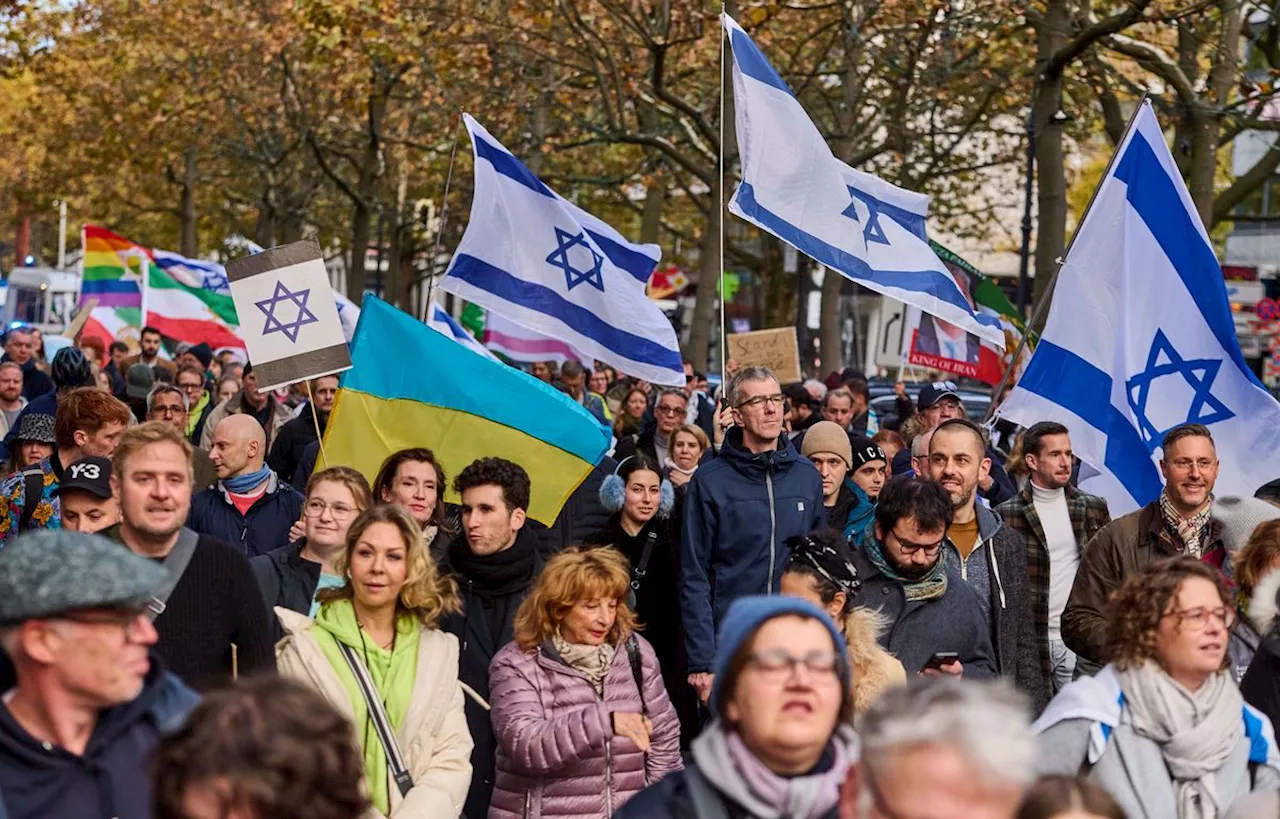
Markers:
777,349
287,315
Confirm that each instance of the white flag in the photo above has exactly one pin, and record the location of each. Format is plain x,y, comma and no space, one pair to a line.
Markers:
1140,338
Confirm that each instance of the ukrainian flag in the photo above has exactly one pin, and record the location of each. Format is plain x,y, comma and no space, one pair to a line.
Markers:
410,386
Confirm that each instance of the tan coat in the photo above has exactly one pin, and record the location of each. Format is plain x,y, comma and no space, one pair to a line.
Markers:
433,738
874,669
280,415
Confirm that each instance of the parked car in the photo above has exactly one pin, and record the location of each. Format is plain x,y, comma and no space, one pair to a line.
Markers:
976,400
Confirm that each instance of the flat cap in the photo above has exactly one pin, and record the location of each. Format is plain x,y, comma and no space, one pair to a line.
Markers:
51,571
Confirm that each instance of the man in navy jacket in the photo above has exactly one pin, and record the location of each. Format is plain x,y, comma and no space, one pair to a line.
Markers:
739,510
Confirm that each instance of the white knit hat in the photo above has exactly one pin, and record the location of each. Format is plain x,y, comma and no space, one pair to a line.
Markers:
1239,516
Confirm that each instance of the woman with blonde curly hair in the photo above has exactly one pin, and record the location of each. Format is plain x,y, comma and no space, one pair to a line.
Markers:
582,719
1163,727
376,654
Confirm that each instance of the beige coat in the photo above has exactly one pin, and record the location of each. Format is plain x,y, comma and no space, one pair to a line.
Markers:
280,415
874,669
433,738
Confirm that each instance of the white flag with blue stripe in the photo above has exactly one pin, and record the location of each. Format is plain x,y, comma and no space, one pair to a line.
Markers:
1140,338
438,319
851,221
546,264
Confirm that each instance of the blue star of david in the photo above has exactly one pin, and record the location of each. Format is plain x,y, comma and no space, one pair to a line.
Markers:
1199,373
281,295
872,232
216,282
572,276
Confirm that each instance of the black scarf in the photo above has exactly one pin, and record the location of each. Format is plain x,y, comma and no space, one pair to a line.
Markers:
497,575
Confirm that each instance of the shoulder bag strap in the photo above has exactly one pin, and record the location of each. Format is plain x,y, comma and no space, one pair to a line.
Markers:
175,563
642,568
637,671
32,494
381,723
707,804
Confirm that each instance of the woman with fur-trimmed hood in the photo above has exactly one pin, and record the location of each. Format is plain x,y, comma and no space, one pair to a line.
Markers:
821,571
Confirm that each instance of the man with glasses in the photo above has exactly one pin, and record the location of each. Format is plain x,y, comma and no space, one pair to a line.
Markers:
212,623
1177,523
701,410
936,626
739,510
169,404
669,416
250,506
92,699
199,403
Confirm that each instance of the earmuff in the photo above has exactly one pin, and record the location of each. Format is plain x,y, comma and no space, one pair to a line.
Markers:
613,493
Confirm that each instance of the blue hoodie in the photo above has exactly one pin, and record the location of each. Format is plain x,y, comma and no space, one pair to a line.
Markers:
739,510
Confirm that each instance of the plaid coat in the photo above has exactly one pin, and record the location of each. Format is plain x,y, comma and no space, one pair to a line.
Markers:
1088,513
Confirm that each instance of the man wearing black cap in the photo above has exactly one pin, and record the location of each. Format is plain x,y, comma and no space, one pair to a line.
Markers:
88,505
263,407
91,701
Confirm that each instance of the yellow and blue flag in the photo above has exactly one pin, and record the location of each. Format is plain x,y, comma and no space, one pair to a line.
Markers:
410,386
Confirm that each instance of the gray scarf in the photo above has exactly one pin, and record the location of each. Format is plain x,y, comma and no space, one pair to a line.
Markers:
594,661
1196,731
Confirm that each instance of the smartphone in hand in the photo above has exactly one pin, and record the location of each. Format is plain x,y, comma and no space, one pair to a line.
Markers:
941,658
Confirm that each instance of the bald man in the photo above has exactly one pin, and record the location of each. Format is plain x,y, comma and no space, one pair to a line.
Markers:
250,506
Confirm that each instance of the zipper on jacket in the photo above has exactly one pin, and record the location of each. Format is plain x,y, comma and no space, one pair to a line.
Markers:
528,798
773,524
608,777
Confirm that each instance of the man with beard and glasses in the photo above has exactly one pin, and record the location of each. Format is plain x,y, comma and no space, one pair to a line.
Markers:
992,557
1177,523
935,624
213,625
1057,520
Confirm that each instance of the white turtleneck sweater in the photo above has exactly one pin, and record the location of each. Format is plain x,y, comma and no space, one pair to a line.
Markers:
1064,556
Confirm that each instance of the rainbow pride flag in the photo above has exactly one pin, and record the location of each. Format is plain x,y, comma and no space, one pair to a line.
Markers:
113,272
411,386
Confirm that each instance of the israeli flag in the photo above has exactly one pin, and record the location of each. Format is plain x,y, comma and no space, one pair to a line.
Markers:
438,319
851,221
1140,338
546,264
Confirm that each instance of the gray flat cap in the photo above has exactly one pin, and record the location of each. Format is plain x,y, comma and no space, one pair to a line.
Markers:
51,571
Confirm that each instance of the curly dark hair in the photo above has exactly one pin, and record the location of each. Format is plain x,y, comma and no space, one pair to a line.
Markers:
1137,607
273,746
508,476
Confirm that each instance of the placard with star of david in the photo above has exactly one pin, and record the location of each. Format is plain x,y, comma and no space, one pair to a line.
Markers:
288,317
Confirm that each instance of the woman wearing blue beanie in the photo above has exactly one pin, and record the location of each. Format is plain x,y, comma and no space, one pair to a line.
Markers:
779,746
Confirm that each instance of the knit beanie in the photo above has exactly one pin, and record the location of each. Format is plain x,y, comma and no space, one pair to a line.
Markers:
865,451
826,436
1239,516
747,614
203,353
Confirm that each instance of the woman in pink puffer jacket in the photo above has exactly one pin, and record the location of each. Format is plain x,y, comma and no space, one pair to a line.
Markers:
580,714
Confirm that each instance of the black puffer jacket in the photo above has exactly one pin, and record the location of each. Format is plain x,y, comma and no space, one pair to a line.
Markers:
582,516
287,580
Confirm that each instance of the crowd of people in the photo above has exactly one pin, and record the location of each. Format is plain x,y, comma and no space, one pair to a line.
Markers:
764,604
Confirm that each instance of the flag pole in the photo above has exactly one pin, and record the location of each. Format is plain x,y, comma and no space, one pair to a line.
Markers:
444,212
724,339
315,419
1053,280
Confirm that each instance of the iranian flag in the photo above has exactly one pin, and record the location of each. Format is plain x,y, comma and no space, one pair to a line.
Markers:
190,300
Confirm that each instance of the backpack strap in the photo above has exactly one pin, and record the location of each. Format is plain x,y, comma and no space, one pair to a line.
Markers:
637,671
32,494
175,563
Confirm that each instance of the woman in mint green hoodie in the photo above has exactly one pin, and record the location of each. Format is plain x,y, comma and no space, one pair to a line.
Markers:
383,622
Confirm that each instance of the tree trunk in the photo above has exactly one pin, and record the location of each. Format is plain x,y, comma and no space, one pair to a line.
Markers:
1205,121
651,215
704,303
1051,177
829,322
189,248
264,228
779,309
366,197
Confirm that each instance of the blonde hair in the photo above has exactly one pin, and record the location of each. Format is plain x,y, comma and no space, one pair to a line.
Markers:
348,477
569,577
690,429
143,435
427,593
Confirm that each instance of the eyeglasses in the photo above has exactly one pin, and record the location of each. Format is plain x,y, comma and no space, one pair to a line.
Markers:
908,548
778,665
167,409
1185,464
315,508
128,620
661,410
1198,619
760,400
190,387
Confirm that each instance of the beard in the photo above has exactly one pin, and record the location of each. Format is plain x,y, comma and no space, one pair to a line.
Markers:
909,571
